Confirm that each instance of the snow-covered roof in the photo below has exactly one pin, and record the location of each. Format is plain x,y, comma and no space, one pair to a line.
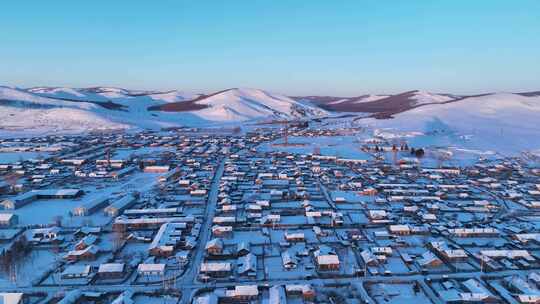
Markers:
151,268
4,217
215,267
111,267
11,297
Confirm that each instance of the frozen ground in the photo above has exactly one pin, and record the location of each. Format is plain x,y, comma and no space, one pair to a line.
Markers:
340,146
397,294
13,157
27,268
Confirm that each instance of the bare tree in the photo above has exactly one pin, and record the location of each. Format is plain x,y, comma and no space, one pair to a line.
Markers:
442,157
119,237
11,180
58,220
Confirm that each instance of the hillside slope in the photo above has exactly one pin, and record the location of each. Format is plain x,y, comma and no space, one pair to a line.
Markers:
84,109
380,105
23,111
500,121
248,104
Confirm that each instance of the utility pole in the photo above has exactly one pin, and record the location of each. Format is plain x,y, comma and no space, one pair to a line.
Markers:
481,262
286,133
365,268
108,152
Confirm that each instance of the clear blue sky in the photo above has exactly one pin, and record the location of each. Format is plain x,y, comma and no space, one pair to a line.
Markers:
295,47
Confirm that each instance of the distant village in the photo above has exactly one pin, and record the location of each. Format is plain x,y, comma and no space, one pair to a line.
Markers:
207,216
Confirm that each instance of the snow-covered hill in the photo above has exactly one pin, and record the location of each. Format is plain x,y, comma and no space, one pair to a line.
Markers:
381,105
249,104
504,109
47,108
105,94
24,111
244,105
500,121
359,99
423,97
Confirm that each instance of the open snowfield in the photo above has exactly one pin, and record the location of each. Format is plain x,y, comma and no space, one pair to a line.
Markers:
13,157
28,268
342,146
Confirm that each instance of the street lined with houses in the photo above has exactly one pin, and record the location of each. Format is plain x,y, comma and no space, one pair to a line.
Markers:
192,216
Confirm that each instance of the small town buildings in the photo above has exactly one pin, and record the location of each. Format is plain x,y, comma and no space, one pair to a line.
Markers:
90,206
288,261
151,270
167,239
156,169
242,293
375,215
111,270
428,259
507,254
152,212
76,272
474,232
12,298
120,205
216,269
8,220
447,253
123,223
277,295
89,253
526,238
45,235
4,187
294,237
399,229
369,258
243,248
85,242
326,259
210,298
169,176
270,219
198,192
222,231
87,230
214,246
305,290
247,265
33,195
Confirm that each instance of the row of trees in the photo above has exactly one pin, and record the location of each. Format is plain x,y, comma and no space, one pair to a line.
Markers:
415,152
418,152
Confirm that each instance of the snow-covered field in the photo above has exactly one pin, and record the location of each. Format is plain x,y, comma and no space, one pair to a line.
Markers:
13,157
341,147
28,268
